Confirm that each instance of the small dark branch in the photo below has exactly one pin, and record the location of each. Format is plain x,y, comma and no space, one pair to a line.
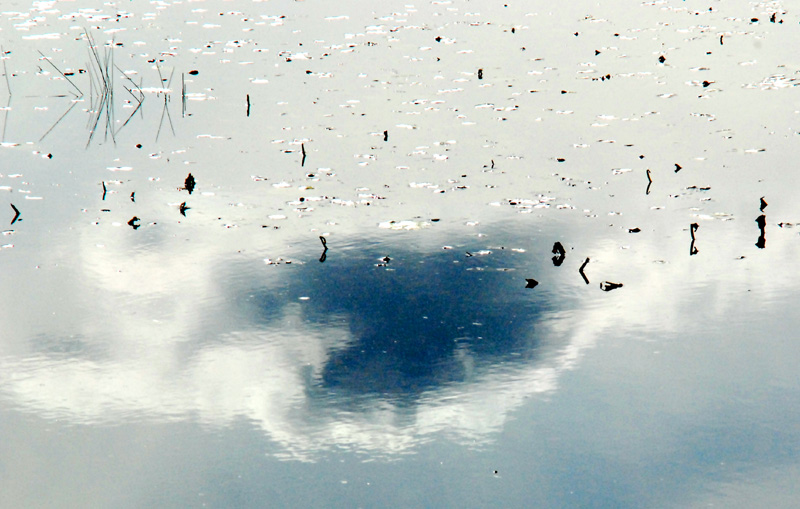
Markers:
325,250
303,150
692,249
183,96
762,204
104,190
585,262
5,70
80,93
16,214
248,105
58,121
761,221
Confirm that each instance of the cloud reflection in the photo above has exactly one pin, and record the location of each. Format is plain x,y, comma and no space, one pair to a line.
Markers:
352,353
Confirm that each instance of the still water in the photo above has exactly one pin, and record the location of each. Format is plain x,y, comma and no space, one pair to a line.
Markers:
444,254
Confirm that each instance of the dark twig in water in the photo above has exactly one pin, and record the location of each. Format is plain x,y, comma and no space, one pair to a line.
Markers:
649,182
59,120
104,190
16,214
46,59
385,135
303,150
692,249
183,96
5,71
248,105
133,196
585,262
560,253
762,205
325,250
761,221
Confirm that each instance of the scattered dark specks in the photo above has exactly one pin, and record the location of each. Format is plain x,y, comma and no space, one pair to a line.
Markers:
678,167
529,283
607,286
641,156
662,58
576,34
194,72
634,230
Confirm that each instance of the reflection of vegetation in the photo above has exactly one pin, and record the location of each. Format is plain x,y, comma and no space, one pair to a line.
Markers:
416,322
100,71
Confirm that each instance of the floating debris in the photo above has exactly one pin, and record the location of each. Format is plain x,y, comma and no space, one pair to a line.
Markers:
133,223
404,225
104,190
583,266
560,253
16,214
692,249
183,208
762,204
325,250
761,221
678,167
531,283
189,183
607,286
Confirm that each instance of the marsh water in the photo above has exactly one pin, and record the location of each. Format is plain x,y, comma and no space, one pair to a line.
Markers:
357,299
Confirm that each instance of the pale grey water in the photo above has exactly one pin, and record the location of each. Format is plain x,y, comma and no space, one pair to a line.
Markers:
212,360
